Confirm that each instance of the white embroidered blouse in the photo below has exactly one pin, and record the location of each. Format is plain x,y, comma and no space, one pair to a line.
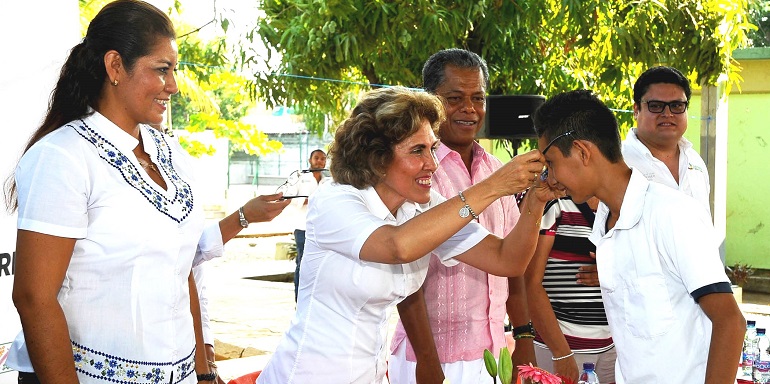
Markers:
125,294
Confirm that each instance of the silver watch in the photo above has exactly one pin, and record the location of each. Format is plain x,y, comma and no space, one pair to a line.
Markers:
242,218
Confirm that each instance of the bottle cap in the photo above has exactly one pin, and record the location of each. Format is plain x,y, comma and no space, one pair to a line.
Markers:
751,323
760,331
588,366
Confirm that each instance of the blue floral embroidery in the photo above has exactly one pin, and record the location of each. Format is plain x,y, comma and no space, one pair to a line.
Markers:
177,208
114,369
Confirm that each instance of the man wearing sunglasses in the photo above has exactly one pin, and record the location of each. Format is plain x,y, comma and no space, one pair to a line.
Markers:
656,146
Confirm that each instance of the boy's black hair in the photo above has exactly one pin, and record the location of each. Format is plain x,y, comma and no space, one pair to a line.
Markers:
588,118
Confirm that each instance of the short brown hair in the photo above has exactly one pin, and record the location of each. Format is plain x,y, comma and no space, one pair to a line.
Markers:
363,144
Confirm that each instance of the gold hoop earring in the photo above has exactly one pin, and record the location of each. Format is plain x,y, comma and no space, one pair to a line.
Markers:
115,82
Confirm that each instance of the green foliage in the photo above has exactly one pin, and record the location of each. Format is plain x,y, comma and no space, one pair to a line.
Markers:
210,95
759,15
531,46
503,368
489,362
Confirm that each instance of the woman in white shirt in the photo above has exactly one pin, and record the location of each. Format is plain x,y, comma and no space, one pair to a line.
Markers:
108,223
370,231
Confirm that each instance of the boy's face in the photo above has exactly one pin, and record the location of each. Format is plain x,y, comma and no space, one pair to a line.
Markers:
565,172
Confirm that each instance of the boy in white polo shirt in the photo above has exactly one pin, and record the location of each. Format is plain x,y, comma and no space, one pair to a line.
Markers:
669,304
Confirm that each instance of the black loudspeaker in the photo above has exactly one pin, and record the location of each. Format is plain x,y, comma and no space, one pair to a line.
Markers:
510,116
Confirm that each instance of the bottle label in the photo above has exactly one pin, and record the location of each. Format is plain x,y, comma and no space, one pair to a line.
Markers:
762,372
748,366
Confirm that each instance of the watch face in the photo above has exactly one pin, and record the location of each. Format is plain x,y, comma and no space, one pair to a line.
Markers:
242,218
464,212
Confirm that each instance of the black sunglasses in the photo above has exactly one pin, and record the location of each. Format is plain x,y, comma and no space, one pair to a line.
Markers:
547,147
544,175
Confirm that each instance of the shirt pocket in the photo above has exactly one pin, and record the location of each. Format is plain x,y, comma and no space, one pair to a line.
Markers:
647,307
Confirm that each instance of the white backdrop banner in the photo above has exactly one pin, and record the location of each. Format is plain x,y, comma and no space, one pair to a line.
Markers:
36,38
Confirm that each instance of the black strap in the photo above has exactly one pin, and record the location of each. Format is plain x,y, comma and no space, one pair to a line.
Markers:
587,212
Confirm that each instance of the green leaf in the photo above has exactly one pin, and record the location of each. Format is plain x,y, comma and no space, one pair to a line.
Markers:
490,363
505,366
531,46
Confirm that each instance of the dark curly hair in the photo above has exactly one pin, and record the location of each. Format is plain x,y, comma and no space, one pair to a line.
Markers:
363,144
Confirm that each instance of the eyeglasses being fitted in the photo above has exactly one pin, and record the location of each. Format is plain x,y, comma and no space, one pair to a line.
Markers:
676,107
544,175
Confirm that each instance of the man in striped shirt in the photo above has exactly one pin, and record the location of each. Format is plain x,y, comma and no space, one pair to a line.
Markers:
570,319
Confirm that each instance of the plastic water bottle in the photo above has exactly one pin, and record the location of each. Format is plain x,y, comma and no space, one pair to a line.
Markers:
749,349
762,363
588,376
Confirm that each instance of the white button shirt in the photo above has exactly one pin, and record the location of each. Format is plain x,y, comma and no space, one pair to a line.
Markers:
693,174
305,185
339,332
660,250
125,294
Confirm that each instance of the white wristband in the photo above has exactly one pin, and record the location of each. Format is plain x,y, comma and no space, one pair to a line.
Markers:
563,357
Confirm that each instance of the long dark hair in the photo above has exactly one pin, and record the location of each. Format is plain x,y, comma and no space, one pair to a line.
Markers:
130,27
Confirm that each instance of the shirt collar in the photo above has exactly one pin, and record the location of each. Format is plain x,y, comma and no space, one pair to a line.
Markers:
443,151
405,212
124,142
633,201
632,138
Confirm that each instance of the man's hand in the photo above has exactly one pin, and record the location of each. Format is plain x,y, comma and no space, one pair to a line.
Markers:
429,373
567,368
523,354
588,275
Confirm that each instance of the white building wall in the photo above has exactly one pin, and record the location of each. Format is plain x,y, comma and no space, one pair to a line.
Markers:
36,38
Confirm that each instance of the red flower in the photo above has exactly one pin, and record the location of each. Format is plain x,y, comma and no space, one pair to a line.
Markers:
537,375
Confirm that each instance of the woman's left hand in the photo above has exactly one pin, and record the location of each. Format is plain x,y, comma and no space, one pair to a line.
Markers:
546,192
265,207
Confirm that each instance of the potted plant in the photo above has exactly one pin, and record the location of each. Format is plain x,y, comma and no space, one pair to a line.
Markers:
739,273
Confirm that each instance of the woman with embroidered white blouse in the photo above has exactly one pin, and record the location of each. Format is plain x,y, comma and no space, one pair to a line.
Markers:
108,223
369,234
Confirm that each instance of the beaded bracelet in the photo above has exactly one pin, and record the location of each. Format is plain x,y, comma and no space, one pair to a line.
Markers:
211,376
467,210
524,336
563,357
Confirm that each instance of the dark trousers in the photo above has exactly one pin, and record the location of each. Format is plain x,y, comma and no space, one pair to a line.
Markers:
28,378
299,238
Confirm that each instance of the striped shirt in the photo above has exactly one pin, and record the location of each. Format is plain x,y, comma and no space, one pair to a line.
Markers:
578,308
